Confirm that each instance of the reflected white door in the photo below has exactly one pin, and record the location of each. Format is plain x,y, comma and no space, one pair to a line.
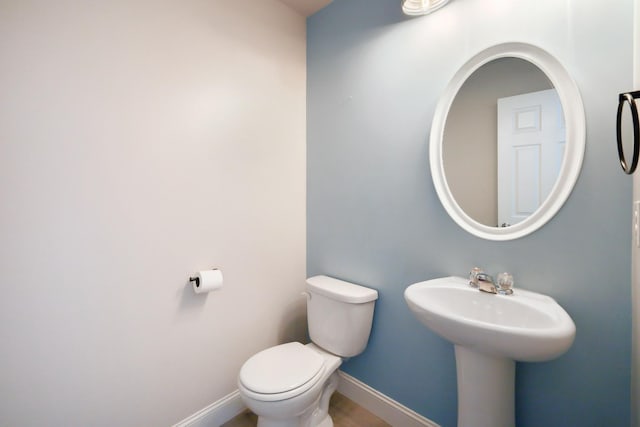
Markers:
531,141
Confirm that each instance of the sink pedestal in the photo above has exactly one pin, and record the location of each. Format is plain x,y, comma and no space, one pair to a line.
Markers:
486,389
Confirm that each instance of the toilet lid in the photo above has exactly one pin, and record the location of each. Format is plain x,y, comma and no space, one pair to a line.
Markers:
281,368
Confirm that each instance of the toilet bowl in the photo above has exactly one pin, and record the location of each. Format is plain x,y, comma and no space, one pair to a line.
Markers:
305,375
290,385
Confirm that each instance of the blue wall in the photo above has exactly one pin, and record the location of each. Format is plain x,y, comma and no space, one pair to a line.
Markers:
374,77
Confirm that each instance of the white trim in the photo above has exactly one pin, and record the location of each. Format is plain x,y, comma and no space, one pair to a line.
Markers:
216,414
635,251
380,405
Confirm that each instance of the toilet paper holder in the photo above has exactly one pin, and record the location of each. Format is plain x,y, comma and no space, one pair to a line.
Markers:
197,279
205,281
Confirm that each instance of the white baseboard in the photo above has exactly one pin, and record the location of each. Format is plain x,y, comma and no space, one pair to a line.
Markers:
216,414
380,405
372,400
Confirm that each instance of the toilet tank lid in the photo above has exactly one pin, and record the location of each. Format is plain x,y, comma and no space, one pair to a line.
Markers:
340,290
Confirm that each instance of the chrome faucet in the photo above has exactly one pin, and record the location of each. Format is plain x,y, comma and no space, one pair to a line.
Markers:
486,283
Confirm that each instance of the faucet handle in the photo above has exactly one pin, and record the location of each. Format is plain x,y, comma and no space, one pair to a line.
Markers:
473,276
505,283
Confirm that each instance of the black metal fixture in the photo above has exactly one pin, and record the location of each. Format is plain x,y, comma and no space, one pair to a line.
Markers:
628,98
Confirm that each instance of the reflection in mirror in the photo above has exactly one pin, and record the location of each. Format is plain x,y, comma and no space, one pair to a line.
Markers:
503,142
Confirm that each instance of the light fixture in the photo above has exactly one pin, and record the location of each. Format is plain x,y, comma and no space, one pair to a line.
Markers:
422,7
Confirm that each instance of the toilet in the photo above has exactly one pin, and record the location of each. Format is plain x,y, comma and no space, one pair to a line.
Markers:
290,385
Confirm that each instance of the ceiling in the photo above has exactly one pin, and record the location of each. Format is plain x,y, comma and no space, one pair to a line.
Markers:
306,7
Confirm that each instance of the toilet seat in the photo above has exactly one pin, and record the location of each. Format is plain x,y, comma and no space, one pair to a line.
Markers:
281,372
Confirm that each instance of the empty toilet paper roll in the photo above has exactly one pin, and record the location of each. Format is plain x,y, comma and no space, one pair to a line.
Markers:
207,281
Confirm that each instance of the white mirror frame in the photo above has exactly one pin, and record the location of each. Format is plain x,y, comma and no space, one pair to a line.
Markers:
574,148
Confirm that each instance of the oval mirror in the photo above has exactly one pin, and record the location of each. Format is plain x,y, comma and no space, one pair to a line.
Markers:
507,141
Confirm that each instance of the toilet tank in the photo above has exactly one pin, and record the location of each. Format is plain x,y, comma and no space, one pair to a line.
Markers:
339,314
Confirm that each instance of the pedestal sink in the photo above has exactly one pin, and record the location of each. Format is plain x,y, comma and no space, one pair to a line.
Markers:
490,332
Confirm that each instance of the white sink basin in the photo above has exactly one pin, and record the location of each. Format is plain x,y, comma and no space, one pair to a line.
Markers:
525,326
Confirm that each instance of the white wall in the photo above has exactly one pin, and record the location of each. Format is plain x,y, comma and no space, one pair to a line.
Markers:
141,141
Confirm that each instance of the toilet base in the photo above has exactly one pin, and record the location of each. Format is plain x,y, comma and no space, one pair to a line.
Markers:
328,422
316,416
